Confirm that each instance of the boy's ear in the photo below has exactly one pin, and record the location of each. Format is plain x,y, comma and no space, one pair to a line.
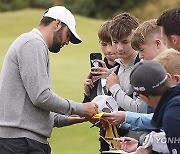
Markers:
169,76
177,78
158,43
144,97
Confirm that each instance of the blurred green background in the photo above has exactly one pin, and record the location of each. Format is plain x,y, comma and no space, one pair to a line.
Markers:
70,67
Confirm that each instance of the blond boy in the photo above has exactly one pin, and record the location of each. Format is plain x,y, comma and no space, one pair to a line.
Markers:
147,39
170,60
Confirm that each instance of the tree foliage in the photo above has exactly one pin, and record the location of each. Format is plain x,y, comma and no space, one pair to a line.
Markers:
90,8
101,8
10,5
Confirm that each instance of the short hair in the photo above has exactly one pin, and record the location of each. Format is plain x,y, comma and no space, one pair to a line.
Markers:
144,32
45,21
170,21
170,60
122,25
103,32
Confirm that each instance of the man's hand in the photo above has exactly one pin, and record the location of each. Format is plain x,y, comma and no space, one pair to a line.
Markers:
116,117
90,109
74,119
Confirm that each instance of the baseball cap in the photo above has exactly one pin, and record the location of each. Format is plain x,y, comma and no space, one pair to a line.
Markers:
147,75
105,103
63,14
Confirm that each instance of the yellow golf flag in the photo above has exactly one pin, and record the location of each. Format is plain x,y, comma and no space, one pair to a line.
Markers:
111,131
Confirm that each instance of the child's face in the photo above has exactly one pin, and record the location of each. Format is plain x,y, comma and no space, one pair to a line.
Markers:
123,47
108,51
149,50
150,100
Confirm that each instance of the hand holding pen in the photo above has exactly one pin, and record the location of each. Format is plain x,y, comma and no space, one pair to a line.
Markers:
127,144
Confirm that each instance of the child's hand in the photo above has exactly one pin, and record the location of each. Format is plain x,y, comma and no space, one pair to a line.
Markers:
100,72
128,144
111,80
116,117
88,84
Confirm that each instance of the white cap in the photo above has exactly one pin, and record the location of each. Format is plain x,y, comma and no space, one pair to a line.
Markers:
63,14
105,103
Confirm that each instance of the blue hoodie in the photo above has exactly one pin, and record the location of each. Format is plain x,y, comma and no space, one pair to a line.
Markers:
167,116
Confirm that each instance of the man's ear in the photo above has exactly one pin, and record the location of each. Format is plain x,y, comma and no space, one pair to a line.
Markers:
174,39
144,97
58,25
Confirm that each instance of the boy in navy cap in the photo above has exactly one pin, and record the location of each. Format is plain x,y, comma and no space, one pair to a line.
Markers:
154,88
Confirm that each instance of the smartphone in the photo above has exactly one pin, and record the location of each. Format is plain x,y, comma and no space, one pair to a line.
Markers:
93,59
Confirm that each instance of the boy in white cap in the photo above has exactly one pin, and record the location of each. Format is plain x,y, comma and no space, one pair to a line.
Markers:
28,107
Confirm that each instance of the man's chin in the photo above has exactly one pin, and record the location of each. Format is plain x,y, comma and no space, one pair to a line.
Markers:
55,50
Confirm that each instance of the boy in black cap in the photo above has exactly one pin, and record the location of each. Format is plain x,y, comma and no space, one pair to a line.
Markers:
154,88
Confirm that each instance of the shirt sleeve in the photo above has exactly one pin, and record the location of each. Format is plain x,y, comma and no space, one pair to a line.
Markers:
138,121
126,102
60,120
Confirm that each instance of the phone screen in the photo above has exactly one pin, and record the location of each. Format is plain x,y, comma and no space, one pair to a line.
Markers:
93,59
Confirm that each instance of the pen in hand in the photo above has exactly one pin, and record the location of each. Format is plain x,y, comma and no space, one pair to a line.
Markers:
117,139
95,124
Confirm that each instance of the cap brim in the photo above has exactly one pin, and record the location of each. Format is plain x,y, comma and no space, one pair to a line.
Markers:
75,39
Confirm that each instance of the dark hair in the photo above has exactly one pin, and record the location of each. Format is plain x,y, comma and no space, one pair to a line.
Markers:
170,21
122,25
45,21
103,32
